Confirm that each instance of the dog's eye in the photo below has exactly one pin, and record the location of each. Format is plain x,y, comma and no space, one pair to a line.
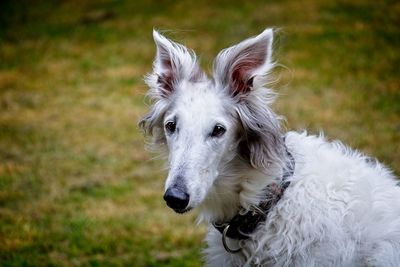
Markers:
218,131
170,126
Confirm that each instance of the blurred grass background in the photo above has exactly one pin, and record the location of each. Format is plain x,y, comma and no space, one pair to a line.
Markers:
77,187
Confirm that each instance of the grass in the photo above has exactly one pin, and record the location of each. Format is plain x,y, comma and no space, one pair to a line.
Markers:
77,187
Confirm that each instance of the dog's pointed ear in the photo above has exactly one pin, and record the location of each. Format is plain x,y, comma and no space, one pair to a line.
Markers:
173,63
242,67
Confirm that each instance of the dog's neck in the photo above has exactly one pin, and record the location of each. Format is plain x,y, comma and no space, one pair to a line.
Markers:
239,185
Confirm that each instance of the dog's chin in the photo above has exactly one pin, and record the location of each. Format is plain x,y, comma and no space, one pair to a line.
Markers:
183,210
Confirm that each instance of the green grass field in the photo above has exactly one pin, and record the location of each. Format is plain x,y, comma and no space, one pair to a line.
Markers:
77,187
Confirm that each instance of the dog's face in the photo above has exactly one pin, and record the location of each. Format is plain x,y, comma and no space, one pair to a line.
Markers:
199,132
202,121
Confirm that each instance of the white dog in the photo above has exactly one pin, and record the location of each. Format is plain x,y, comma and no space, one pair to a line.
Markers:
271,199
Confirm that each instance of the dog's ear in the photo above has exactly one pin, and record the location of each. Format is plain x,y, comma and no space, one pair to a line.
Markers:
261,141
242,67
173,63
242,71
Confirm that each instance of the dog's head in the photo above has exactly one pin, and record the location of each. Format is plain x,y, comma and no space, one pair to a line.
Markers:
205,123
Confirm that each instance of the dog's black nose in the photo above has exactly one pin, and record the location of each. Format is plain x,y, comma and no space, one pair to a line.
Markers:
176,198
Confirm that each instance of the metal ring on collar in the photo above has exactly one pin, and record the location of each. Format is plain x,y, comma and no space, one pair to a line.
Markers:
227,248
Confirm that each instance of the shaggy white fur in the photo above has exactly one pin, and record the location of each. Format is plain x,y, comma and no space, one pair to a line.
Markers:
225,146
341,209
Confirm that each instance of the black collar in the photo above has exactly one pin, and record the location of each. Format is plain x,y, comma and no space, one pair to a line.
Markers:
242,225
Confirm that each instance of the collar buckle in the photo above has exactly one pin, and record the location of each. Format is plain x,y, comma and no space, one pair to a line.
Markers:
224,242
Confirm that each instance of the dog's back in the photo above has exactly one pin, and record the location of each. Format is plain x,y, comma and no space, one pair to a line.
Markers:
346,200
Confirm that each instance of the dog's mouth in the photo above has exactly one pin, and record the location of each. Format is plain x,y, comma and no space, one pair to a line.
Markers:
181,211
